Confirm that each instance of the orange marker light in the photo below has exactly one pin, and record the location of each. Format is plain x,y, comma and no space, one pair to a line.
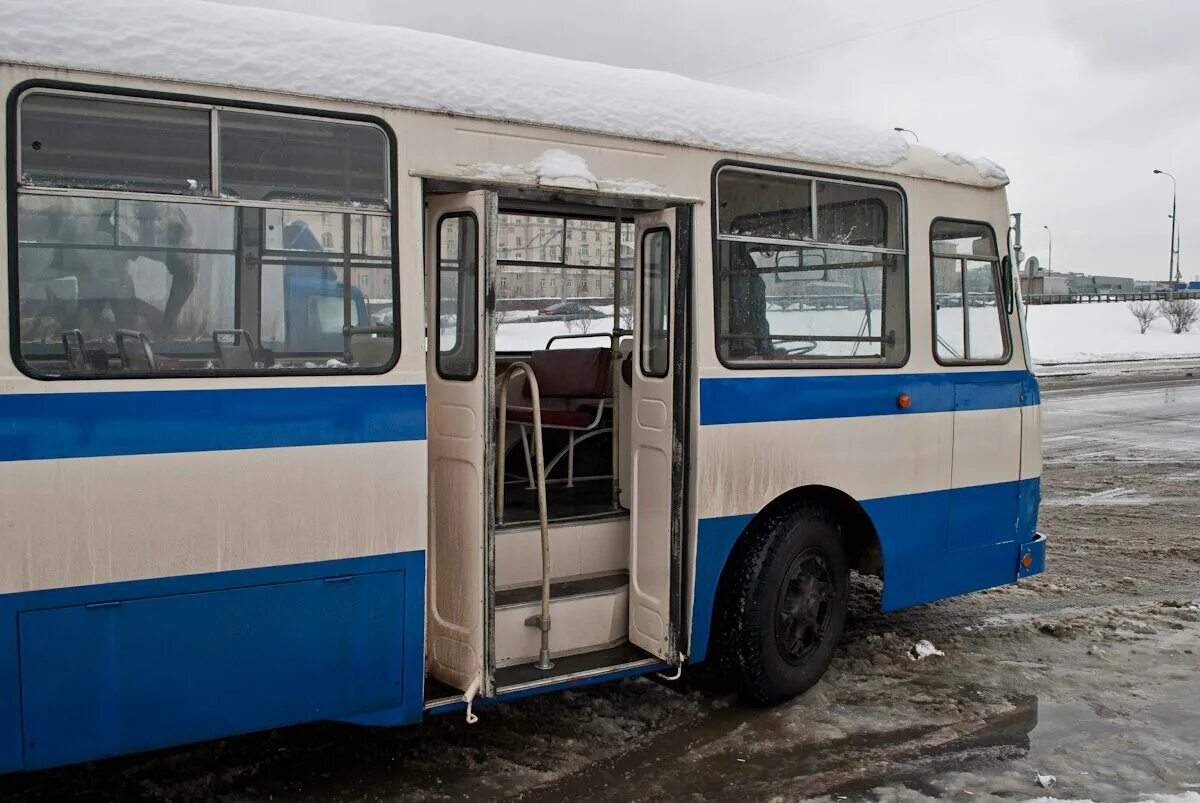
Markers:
904,401
1027,561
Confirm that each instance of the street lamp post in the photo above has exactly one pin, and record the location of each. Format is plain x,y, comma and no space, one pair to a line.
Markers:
900,130
1171,262
1049,250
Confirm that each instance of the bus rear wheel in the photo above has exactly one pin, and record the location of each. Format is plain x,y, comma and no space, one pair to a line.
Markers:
790,593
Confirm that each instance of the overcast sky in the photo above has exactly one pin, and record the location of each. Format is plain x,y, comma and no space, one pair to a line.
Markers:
1079,99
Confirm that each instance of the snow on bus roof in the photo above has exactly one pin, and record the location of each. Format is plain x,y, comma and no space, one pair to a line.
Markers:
252,48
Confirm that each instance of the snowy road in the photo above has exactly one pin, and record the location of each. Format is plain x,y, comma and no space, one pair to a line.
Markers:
1090,673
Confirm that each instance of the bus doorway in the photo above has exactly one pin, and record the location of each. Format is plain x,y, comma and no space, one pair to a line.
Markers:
546,568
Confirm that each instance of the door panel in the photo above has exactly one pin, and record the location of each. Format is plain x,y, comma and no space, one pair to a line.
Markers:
652,445
454,243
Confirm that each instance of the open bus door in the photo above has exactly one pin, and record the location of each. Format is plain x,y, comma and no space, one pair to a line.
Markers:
459,368
655,531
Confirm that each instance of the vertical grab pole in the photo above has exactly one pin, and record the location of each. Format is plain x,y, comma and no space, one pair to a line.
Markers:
615,375
541,622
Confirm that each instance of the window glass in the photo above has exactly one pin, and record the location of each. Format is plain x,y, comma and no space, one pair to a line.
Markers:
808,304
536,302
89,269
854,214
73,141
767,205
268,157
969,320
531,238
582,242
656,303
457,283
136,285
839,302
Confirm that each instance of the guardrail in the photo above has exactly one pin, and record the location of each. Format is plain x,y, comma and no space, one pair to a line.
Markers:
1100,298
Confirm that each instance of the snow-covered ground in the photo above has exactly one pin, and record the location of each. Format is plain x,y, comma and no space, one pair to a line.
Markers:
1059,333
1101,333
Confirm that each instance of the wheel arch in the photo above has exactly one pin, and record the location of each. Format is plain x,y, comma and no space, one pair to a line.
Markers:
864,551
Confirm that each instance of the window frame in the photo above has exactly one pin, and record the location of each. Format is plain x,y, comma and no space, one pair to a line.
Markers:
823,364
1001,303
15,189
437,291
643,284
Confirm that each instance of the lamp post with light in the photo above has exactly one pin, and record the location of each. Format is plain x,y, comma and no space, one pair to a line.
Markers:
1171,263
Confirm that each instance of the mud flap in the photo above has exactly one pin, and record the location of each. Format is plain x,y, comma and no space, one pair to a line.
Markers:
1032,559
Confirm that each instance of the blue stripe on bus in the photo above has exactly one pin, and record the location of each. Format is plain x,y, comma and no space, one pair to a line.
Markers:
42,426
752,399
102,670
921,563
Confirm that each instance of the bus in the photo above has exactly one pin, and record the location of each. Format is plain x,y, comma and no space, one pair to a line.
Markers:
416,375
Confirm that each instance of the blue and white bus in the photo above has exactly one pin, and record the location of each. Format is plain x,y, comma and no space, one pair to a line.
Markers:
332,392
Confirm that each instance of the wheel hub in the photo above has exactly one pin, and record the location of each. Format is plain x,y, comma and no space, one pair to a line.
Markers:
804,608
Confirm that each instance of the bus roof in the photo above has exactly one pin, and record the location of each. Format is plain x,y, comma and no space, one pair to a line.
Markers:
252,48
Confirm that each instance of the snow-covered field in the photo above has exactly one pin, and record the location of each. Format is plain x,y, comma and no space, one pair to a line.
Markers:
1060,333
1102,332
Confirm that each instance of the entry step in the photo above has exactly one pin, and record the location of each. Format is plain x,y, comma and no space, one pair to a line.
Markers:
586,613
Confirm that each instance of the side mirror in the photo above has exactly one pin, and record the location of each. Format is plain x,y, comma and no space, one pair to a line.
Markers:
1006,283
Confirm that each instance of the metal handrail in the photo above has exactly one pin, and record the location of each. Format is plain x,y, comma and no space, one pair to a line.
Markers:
121,335
541,622
610,335
77,336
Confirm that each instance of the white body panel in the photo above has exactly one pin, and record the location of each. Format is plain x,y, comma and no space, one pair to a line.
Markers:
731,470
110,519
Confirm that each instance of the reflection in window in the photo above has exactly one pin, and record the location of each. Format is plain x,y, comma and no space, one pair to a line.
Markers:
136,284
458,311
835,296
969,321
656,303
88,268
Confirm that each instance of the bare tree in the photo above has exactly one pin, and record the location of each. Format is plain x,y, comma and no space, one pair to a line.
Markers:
1145,313
579,325
1181,314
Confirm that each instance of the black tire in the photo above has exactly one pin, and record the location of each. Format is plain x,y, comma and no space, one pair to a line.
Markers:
785,604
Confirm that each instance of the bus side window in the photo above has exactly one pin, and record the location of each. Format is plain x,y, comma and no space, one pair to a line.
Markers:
131,263
810,271
970,325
